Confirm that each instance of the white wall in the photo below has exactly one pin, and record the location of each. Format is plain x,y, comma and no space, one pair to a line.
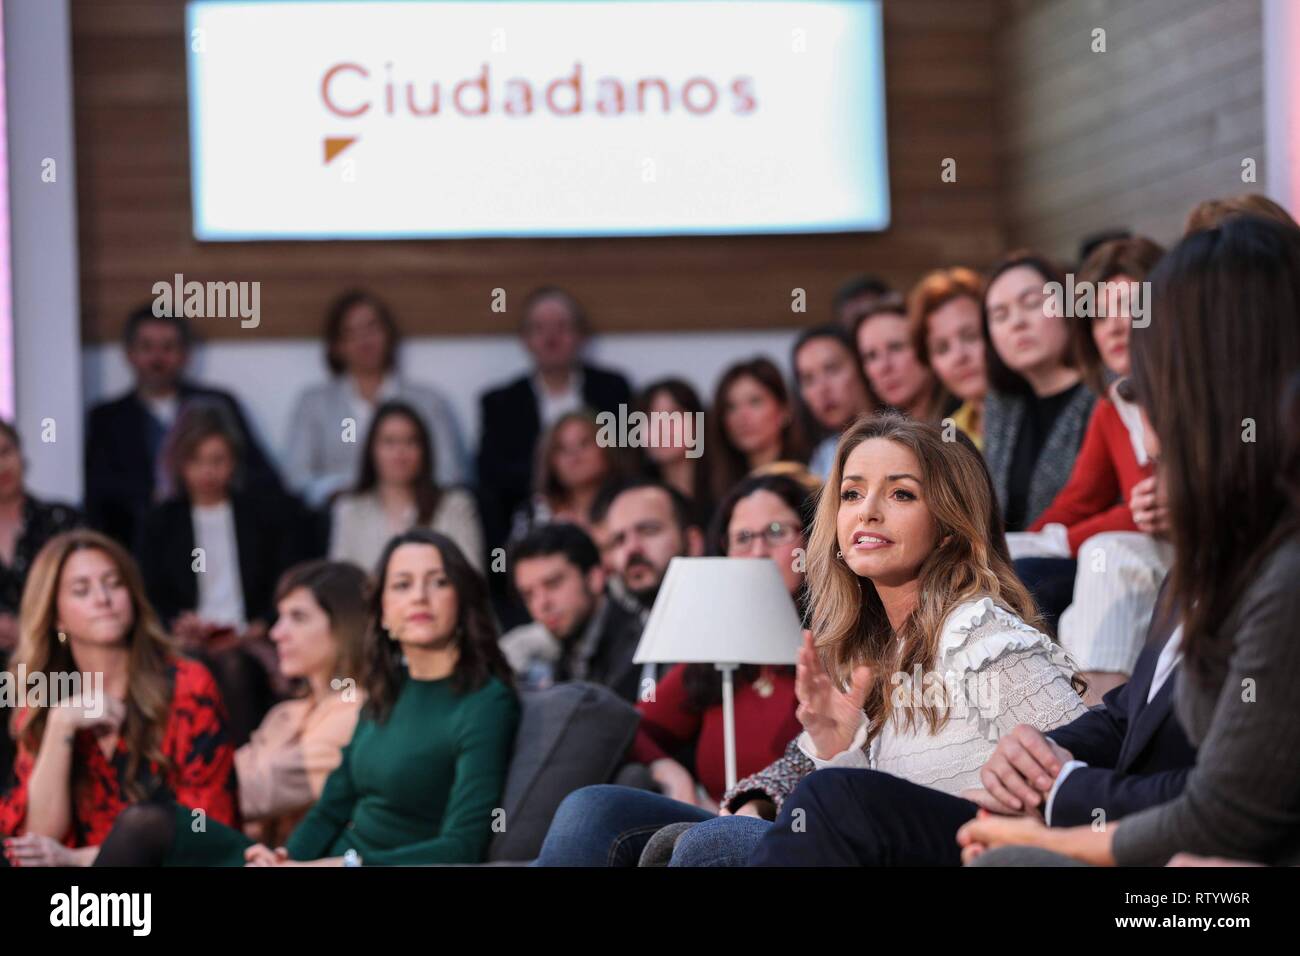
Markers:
267,376
46,303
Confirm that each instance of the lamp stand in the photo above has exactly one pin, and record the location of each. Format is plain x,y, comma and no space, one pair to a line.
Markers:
729,720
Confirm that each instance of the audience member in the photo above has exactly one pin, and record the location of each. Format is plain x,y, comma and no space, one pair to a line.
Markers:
572,467
155,727
1037,407
832,390
125,435
753,423
943,310
210,556
397,491
898,378
553,328
577,631
1121,565
855,296
361,349
668,457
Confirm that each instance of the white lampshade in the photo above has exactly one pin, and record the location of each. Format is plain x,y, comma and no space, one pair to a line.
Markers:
721,610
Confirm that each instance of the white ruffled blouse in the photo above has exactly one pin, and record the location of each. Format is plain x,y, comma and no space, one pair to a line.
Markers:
996,672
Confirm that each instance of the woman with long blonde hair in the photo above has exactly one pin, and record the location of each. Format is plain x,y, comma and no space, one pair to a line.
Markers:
108,715
923,650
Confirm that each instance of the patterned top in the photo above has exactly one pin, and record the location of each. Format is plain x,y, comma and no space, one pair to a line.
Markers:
997,672
197,747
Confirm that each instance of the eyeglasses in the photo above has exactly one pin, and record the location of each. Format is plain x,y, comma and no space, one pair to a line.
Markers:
776,533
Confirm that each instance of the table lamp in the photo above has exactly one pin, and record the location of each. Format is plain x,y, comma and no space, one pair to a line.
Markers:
725,612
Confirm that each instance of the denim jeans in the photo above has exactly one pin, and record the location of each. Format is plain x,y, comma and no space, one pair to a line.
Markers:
722,841
607,825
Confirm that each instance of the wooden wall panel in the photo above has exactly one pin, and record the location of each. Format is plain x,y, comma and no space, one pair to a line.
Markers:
134,204
1131,137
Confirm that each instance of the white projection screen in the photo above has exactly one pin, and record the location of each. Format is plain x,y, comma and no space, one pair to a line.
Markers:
431,119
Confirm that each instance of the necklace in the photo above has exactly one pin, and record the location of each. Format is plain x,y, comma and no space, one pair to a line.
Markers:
763,683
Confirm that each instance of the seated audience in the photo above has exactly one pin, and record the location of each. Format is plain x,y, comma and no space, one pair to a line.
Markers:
1222,345
763,517
898,378
318,643
832,390
1120,564
943,311
577,632
397,491
125,436
554,328
1214,212
572,467
438,698
210,557
1037,407
667,458
753,423
153,729
361,348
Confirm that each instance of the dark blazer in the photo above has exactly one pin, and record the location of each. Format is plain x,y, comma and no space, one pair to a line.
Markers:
266,536
120,469
511,426
611,664
1137,753
1004,416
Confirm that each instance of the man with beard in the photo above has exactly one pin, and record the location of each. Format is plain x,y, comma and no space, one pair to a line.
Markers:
580,630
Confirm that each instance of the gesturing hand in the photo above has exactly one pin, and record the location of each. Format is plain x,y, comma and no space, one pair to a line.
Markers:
830,715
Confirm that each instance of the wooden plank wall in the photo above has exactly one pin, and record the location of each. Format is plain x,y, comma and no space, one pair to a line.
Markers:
131,122
1134,136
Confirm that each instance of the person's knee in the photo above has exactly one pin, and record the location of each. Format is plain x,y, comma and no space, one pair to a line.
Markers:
724,841
585,806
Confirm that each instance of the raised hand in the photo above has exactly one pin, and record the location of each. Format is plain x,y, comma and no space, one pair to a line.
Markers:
829,715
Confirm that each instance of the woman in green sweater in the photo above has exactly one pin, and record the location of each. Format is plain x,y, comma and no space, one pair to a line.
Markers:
422,778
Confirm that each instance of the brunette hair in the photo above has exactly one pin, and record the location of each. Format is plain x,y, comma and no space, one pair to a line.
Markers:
839,335
1134,257
197,422
1002,378
343,592
1214,212
1222,343
475,634
685,397
730,464
895,305
338,311
427,493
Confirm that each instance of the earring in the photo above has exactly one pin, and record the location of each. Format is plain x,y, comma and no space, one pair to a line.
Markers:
840,555
63,638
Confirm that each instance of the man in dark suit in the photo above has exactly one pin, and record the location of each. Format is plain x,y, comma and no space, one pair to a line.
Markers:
578,631
1122,756
553,328
124,435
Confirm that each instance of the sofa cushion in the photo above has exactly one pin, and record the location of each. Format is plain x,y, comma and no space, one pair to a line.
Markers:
571,735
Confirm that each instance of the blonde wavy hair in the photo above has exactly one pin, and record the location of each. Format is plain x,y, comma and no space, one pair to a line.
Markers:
149,690
971,561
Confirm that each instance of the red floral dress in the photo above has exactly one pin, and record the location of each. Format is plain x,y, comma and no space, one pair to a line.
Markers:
195,742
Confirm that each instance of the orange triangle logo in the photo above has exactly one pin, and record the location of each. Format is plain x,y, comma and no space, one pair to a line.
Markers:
335,145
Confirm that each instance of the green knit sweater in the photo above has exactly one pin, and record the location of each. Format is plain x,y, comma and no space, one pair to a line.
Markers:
422,786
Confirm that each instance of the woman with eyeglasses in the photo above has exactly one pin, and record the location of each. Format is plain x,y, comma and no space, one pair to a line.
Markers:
765,516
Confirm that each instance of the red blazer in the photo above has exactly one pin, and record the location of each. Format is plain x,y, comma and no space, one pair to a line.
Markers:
195,742
1095,499
764,726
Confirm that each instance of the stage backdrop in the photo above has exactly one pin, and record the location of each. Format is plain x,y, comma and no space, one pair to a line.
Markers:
132,130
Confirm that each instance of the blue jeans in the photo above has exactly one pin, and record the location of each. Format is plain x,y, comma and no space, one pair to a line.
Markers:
722,841
607,825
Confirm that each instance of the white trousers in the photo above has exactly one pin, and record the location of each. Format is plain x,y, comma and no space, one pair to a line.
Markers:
1115,589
